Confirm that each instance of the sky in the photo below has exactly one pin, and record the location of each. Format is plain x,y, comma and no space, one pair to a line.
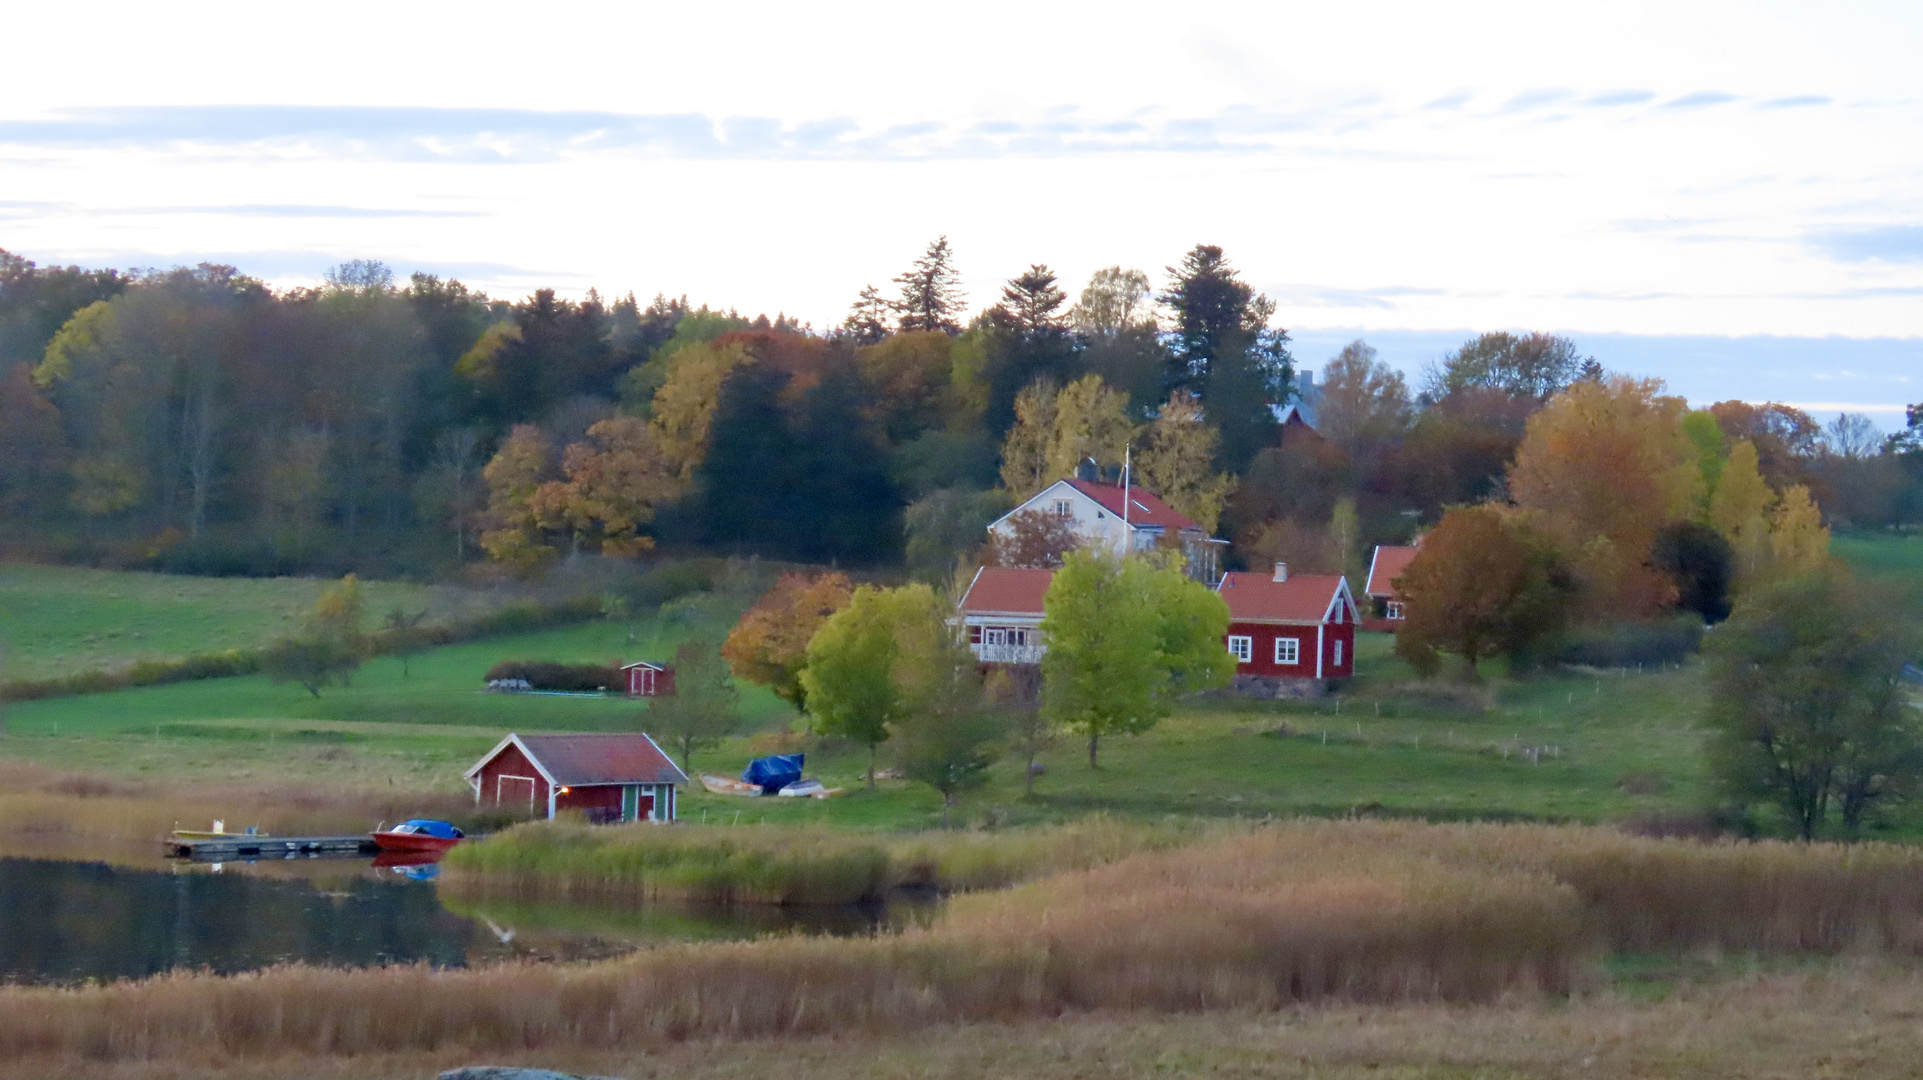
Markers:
1725,195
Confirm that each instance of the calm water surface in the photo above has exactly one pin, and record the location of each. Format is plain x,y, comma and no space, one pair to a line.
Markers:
65,922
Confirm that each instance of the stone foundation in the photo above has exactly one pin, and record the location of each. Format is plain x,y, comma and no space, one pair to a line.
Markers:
1279,688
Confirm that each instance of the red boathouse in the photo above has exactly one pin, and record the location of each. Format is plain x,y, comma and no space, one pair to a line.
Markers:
608,777
1285,628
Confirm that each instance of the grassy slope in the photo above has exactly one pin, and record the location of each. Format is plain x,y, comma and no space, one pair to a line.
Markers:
62,619
1382,753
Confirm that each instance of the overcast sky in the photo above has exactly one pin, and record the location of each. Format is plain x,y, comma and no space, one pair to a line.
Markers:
1729,195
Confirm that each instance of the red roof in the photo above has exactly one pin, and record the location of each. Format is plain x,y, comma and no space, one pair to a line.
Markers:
588,760
1147,509
1304,598
1001,590
1388,564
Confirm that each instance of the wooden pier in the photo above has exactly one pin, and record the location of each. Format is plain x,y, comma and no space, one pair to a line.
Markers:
236,847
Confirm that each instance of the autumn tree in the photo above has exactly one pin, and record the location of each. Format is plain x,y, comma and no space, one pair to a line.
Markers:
1176,461
1056,430
1740,509
1535,365
1126,637
769,646
873,663
514,523
1807,708
330,645
907,378
1365,402
1786,438
684,407
1604,466
950,734
1017,693
1484,583
931,296
704,708
33,450
1115,319
613,483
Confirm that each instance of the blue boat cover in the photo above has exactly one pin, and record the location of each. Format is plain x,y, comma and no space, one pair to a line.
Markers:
774,772
430,827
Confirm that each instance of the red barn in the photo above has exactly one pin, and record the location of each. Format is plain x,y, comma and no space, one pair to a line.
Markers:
646,679
1284,627
1386,610
609,777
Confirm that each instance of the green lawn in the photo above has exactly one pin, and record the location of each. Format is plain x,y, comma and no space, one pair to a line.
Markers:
1895,557
60,619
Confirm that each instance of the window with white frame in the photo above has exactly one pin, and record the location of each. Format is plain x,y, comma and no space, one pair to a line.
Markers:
1064,508
1394,610
1338,654
1241,647
1288,650
996,635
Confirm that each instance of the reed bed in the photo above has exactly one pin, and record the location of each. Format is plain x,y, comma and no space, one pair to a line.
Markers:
765,864
1299,913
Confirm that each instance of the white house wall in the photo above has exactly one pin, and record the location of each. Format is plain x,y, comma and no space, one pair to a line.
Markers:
1089,519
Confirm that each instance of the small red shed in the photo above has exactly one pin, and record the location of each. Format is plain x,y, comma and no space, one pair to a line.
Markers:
609,777
647,679
1284,626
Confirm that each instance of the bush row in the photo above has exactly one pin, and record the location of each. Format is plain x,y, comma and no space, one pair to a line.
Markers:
548,675
517,617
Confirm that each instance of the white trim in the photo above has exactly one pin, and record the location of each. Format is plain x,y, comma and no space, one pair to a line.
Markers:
553,794
515,740
1318,651
1368,583
1337,658
1394,611
1242,647
1295,646
665,757
533,785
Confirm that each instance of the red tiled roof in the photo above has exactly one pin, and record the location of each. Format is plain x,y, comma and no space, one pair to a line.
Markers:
583,760
1388,564
1000,590
1147,508
1304,598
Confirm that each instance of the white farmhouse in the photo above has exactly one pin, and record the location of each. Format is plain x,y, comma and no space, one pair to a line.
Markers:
1117,519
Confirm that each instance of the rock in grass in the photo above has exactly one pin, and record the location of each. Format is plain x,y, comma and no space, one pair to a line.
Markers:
510,1073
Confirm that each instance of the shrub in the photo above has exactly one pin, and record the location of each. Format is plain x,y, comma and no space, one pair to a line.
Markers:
548,675
1631,644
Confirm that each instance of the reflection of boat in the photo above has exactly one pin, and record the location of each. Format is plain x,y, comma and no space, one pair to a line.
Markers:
388,859
419,836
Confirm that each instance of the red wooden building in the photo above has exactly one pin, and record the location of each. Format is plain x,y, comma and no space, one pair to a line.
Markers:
1386,610
608,777
1284,626
648,679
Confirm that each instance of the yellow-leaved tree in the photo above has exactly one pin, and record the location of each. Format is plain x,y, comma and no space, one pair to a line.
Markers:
1604,466
614,482
1056,430
513,525
1799,542
1176,460
1740,509
684,405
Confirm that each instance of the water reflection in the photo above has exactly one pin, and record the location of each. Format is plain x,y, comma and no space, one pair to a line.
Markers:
66,922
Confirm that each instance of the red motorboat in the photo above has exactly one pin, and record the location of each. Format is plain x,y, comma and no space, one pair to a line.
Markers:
419,836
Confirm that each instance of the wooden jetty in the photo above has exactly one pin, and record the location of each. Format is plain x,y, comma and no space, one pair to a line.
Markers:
234,846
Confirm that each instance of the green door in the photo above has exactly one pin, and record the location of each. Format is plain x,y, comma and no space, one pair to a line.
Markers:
630,802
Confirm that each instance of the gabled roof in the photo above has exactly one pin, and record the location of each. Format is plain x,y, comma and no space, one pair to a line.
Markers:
587,760
1145,510
1003,590
1304,598
1387,565
649,664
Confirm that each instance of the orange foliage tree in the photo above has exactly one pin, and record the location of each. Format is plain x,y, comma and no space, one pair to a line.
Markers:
1484,583
1603,467
769,645
614,481
1034,538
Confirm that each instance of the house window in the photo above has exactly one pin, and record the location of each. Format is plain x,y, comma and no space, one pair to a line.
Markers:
1241,647
975,635
1288,650
1393,610
996,636
1338,654
1064,508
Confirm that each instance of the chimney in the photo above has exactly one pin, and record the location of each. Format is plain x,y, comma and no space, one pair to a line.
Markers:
1281,571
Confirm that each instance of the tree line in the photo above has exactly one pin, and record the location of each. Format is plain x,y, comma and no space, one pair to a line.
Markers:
195,419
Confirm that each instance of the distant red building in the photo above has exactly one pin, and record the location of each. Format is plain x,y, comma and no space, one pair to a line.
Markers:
1386,606
1289,627
648,679
608,777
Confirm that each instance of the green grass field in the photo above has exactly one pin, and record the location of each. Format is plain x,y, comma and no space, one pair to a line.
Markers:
1562,746
61,619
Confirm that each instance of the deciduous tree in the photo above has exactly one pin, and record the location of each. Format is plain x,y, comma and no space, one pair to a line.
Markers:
1176,461
1483,584
1035,539
1805,702
950,734
613,483
869,666
1126,637
1534,365
704,708
514,524
769,646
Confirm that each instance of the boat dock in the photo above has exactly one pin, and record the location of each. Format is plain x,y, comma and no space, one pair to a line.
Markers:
237,846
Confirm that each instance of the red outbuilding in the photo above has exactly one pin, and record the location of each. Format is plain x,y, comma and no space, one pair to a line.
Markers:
608,777
1387,608
1288,627
648,679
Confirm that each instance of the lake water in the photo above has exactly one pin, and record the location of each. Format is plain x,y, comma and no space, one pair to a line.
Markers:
65,922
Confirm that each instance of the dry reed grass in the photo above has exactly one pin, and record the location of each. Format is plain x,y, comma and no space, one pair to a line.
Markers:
1310,912
784,864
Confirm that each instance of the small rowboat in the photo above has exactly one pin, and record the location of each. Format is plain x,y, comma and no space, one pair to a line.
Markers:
419,835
